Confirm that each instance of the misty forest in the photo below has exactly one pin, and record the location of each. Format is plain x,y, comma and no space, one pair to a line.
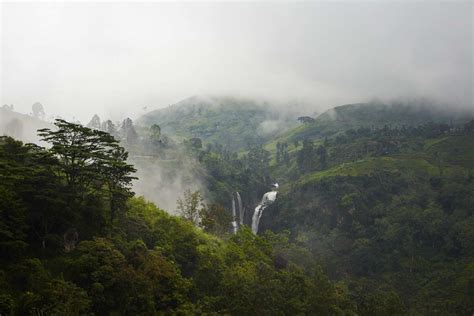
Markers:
236,201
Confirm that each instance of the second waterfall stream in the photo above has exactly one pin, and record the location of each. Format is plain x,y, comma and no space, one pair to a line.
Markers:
267,199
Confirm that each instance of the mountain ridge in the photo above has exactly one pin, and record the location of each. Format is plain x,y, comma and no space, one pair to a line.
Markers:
235,123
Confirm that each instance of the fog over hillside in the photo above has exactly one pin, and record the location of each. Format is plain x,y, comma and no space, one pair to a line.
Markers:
124,59
21,126
236,158
272,61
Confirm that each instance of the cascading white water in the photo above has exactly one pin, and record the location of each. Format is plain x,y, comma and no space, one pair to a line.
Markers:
267,199
234,219
241,210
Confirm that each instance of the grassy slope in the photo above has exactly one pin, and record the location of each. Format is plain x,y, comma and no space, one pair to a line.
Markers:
456,152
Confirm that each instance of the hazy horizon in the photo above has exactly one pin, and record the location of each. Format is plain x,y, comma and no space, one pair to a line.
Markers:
114,59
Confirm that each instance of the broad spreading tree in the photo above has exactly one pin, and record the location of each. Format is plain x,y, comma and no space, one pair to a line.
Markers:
91,159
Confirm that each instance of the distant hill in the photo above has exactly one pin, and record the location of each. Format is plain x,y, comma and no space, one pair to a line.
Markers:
374,115
234,123
394,114
20,126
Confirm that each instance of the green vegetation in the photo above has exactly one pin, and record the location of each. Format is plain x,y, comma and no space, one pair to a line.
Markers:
374,216
382,199
229,122
381,195
74,241
373,115
390,213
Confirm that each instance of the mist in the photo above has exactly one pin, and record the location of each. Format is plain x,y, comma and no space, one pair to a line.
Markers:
163,183
122,59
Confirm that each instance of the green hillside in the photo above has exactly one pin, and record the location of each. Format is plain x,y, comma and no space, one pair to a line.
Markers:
370,218
74,241
390,205
374,115
386,208
442,156
233,123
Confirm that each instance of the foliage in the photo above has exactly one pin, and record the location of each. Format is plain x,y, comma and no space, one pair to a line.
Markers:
389,215
386,209
229,122
369,220
191,206
90,159
144,262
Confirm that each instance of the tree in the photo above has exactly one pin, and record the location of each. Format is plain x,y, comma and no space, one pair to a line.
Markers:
155,133
91,158
306,155
79,149
102,269
127,132
13,225
306,119
65,298
191,207
38,110
118,176
323,155
94,122
195,142
278,147
109,127
215,219
30,187
154,141
468,128
258,162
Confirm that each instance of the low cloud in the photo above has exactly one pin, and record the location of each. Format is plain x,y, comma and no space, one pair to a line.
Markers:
114,59
165,181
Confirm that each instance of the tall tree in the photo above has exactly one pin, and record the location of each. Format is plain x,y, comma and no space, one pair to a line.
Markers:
94,122
191,206
305,156
155,133
128,133
258,161
38,110
91,158
323,155
118,176
109,127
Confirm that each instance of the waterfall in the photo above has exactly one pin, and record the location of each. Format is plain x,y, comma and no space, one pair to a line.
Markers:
241,210
234,219
267,199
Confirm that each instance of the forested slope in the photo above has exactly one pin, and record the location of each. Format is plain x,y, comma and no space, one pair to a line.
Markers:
74,241
389,210
373,115
234,123
380,194
370,218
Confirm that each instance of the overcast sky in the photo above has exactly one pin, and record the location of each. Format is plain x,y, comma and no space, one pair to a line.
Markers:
113,59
